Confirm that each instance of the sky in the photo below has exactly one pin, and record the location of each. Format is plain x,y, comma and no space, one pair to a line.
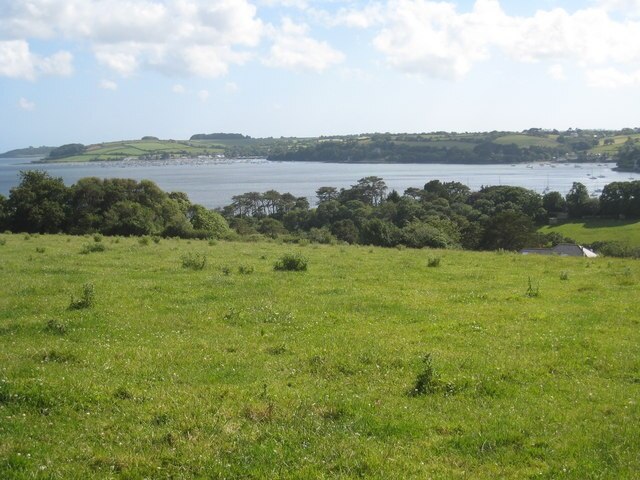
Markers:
89,71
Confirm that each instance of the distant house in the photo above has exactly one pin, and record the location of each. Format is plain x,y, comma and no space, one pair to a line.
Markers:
562,249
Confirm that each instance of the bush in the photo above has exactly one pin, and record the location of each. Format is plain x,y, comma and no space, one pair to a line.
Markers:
194,261
156,239
3,241
97,238
86,300
291,262
93,247
144,241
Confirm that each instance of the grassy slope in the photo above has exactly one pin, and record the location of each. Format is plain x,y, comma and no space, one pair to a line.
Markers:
187,373
599,230
528,140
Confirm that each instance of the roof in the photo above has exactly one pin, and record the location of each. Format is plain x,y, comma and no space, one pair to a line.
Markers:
562,249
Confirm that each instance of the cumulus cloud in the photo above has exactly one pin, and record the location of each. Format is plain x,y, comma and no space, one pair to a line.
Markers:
25,104
108,85
435,39
196,37
293,49
17,61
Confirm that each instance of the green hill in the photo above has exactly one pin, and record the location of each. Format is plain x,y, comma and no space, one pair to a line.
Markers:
598,230
437,147
369,364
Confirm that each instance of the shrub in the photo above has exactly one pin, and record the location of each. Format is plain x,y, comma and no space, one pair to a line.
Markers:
144,241
156,239
194,261
433,262
3,241
291,262
86,300
97,238
93,247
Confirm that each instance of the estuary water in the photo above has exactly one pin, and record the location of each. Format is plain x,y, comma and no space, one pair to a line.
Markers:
213,182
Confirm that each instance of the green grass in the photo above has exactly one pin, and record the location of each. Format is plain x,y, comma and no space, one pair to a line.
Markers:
135,148
181,373
619,140
528,140
624,231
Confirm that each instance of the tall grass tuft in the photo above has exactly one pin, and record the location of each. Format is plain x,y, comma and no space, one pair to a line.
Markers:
292,262
194,261
86,300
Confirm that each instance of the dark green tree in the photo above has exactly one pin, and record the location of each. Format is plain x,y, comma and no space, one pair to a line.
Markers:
40,203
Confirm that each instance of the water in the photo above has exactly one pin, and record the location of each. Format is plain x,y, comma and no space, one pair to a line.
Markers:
213,182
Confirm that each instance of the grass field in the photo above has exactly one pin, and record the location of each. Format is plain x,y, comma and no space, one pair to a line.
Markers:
627,232
134,148
534,367
528,140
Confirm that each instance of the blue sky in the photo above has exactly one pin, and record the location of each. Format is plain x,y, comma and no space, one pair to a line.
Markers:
96,70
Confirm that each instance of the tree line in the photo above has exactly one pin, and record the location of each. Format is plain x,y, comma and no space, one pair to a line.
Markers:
440,214
44,204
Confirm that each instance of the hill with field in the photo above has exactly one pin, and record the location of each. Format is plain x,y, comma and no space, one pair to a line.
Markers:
437,147
144,357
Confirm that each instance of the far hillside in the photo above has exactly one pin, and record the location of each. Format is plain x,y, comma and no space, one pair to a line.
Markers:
532,145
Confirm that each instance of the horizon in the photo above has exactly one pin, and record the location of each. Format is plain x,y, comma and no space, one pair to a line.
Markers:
87,70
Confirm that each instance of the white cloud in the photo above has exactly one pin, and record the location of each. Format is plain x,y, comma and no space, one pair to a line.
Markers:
435,39
557,72
203,95
206,36
612,78
177,88
108,85
17,61
25,104
293,49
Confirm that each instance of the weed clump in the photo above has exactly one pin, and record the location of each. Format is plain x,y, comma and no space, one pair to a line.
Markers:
433,262
194,261
245,269
532,291
97,238
156,239
564,275
144,241
427,379
55,327
292,263
3,241
40,250
92,247
86,300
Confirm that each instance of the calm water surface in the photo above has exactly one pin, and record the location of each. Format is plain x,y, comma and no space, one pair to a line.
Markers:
213,183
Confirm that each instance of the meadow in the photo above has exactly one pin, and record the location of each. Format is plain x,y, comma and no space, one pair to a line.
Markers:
157,358
599,230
